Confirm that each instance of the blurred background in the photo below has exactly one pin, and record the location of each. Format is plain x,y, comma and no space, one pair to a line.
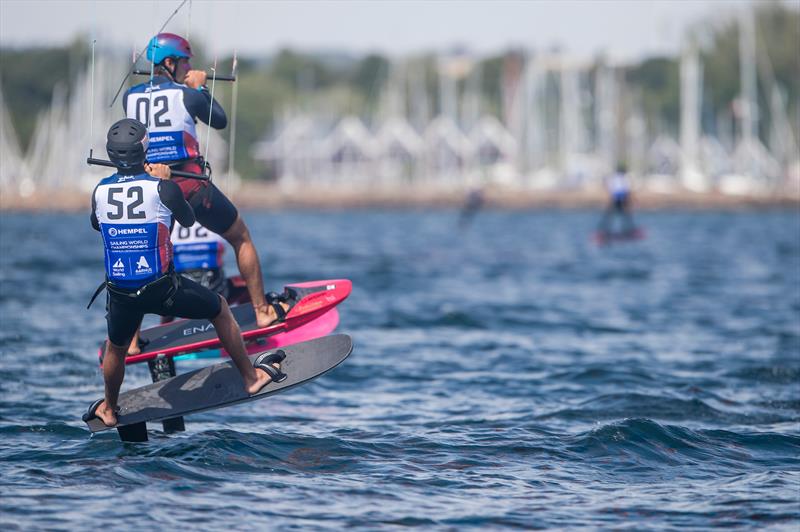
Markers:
421,101
511,369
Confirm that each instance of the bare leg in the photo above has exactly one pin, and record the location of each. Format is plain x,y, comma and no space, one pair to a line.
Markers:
605,222
249,266
630,227
113,374
133,349
231,337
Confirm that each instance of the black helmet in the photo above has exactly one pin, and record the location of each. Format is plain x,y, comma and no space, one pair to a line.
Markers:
127,143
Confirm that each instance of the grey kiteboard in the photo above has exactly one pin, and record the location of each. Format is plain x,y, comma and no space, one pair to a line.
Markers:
219,386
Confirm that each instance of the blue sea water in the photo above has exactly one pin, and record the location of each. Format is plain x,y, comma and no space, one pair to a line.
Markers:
508,375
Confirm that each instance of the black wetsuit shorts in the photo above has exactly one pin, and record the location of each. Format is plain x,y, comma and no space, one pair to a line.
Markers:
213,209
621,202
189,300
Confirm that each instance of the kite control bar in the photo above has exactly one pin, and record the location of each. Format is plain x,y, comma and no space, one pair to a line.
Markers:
176,173
210,76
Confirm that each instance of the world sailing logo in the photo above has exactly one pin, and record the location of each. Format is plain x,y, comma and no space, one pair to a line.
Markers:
118,269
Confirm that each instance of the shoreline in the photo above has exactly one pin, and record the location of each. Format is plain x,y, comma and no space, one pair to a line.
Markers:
254,196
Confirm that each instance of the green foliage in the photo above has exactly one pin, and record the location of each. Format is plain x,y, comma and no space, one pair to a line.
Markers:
658,82
778,49
28,78
369,77
778,58
780,32
721,68
301,72
261,96
492,84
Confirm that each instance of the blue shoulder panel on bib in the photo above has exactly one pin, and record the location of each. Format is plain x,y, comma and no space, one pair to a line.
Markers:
198,256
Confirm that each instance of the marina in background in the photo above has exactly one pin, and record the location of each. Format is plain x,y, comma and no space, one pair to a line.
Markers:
555,128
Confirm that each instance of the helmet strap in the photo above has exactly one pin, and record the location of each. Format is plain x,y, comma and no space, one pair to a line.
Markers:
171,71
134,169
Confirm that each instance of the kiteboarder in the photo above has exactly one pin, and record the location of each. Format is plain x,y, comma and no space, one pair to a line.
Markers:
619,189
473,203
134,210
170,104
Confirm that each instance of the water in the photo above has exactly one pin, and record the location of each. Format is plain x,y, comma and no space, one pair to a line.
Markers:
512,375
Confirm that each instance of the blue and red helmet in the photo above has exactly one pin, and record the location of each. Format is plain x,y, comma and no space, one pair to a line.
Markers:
166,45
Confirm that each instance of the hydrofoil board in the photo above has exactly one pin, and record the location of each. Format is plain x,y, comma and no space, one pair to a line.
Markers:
311,300
219,386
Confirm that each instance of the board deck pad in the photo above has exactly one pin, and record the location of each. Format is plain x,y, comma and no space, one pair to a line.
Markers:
314,299
221,385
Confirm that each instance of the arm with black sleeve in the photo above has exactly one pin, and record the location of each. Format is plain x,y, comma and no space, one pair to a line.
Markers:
199,104
171,196
93,216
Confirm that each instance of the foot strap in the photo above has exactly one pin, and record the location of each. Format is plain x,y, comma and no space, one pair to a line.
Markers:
278,310
264,362
274,299
289,295
91,413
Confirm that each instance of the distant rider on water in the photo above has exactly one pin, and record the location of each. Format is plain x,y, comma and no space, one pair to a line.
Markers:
619,190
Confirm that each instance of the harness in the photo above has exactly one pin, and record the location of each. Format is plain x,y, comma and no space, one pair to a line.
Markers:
205,166
170,276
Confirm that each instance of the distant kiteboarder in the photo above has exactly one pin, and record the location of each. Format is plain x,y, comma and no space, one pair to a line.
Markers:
619,207
473,203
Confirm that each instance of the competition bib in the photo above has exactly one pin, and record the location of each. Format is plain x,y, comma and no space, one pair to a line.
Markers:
134,224
196,248
172,132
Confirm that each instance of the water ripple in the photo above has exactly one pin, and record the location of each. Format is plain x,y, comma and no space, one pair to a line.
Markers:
511,376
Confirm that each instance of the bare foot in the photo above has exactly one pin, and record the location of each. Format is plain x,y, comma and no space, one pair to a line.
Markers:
106,415
266,315
262,379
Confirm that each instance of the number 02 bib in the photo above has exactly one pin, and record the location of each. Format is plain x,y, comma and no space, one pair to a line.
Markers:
172,132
